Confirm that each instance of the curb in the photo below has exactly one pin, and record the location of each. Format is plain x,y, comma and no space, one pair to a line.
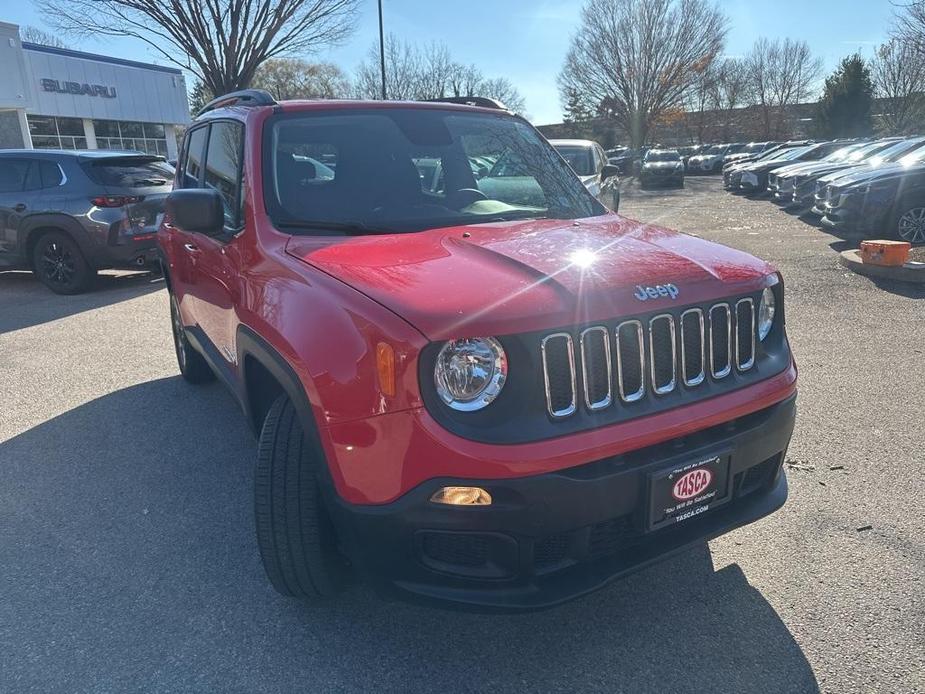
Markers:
914,273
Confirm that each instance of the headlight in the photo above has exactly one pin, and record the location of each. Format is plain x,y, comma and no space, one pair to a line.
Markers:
470,373
766,311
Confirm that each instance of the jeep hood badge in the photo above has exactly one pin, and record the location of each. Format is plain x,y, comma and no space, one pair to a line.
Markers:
659,290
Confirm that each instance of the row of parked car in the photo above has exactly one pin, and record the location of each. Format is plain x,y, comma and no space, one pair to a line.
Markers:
865,187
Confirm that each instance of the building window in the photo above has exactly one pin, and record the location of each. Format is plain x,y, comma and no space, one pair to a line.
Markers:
141,137
50,132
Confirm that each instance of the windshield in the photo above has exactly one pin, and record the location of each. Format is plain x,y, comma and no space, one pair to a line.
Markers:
129,172
789,155
579,158
401,169
662,155
897,150
715,149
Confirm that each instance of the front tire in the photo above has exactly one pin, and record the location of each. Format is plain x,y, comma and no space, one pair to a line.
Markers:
294,533
193,366
909,223
60,265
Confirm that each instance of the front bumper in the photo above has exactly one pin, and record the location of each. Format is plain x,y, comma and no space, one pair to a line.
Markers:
553,537
657,178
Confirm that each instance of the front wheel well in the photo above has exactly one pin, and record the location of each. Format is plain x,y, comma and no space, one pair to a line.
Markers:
262,390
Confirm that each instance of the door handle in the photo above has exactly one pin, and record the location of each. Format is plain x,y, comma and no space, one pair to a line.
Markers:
19,207
191,247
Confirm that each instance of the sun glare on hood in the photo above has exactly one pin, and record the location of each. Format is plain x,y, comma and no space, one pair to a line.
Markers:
583,258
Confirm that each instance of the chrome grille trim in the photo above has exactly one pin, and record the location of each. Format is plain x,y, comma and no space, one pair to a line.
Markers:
670,386
727,369
624,396
570,350
696,379
750,362
582,339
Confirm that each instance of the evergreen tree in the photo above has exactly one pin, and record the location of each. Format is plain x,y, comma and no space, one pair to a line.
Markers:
576,109
844,110
199,97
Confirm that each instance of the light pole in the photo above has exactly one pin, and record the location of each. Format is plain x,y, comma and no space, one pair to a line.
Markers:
381,51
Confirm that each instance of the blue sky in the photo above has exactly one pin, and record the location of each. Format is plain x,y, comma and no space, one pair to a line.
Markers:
526,40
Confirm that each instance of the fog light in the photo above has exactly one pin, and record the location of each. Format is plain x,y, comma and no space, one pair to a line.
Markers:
462,496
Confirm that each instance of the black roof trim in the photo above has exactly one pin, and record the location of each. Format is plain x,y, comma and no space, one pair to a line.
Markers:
244,97
482,101
97,57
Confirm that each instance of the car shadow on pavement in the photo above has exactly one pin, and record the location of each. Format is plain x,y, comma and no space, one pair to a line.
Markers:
24,301
128,562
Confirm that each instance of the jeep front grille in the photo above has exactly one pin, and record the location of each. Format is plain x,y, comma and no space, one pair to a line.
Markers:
627,362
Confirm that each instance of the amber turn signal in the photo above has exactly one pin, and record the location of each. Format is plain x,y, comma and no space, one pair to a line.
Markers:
385,367
462,496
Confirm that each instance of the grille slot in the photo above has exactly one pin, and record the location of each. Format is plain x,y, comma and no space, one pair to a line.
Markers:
630,361
663,353
559,373
693,369
596,369
651,357
745,334
720,340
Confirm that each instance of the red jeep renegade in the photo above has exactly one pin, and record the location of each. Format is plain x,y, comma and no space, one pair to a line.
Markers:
472,383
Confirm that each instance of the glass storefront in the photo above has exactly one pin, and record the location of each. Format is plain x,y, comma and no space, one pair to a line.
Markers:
58,132
50,132
142,137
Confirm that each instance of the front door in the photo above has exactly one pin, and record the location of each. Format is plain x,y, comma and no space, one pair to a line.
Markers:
211,263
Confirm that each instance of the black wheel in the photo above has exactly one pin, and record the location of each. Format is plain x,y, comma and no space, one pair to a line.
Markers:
193,366
909,222
295,535
60,265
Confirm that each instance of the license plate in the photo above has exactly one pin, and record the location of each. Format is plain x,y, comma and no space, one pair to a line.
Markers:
686,490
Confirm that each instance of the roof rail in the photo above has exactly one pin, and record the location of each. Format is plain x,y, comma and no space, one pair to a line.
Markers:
244,97
482,101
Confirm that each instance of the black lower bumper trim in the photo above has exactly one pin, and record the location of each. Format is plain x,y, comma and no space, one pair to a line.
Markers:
550,538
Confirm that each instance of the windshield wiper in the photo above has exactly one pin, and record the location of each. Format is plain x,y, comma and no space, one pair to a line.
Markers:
149,182
322,225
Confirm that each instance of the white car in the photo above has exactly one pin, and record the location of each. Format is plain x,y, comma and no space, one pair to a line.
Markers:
712,160
588,160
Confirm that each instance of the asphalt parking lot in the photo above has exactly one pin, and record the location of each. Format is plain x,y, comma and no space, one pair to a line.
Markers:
128,562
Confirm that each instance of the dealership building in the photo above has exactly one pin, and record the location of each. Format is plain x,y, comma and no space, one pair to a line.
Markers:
54,98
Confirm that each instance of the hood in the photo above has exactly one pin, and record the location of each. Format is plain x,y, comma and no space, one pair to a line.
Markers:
859,176
768,165
663,165
514,277
811,168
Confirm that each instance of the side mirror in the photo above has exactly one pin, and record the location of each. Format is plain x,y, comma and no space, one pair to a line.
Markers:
609,171
197,209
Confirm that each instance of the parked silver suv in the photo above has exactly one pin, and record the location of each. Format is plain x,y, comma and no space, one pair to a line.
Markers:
66,214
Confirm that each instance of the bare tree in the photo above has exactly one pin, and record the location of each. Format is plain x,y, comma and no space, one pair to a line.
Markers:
402,71
699,100
427,72
32,34
730,93
899,79
222,42
909,25
780,74
501,89
293,78
638,59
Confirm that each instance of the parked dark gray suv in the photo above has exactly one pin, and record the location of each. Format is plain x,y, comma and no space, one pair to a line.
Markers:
66,214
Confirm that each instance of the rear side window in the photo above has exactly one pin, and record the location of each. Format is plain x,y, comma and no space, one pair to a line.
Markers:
128,172
192,166
13,175
50,174
223,167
